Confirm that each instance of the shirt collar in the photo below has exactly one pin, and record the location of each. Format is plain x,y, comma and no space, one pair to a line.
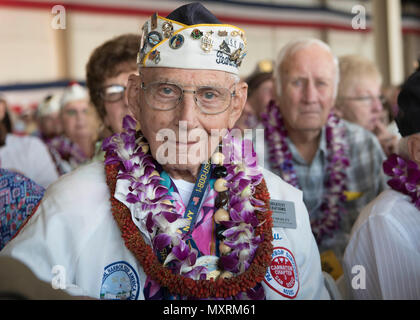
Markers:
322,148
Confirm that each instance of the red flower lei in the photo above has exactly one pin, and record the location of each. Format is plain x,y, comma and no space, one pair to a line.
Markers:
181,285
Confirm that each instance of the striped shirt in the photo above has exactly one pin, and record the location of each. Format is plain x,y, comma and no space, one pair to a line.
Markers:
382,259
365,178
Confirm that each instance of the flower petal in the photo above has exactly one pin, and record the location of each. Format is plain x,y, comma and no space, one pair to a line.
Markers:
161,241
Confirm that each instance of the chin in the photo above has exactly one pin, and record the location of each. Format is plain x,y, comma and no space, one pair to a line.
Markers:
310,126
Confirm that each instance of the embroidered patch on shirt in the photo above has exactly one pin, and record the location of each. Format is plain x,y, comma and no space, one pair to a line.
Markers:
120,282
282,275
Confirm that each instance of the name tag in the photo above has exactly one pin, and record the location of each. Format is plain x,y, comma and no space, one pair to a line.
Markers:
284,215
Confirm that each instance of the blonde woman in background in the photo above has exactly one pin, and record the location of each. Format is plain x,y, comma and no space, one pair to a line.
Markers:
359,98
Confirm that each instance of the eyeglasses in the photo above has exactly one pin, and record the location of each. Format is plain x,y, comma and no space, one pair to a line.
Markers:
366,99
166,96
113,93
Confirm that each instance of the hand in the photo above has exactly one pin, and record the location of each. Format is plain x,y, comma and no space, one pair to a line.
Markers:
388,141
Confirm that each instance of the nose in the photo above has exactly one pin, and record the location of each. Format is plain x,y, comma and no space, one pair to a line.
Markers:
310,92
377,104
81,117
187,109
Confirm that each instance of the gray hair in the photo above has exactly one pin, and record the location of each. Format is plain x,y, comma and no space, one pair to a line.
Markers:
235,78
294,46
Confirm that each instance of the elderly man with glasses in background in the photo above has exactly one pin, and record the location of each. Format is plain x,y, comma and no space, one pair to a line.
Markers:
197,216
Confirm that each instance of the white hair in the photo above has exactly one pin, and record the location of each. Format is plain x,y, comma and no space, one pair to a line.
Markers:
294,46
235,78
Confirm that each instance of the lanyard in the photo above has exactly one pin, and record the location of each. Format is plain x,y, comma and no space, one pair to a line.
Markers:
194,204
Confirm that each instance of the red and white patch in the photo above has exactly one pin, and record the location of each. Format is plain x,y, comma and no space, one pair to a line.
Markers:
282,275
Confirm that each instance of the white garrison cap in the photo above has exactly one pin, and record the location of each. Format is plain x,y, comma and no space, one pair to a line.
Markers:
191,37
73,92
49,105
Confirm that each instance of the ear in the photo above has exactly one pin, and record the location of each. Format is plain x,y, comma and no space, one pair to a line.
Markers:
238,103
133,91
414,148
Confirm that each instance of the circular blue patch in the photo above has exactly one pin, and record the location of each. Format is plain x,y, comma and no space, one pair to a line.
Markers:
120,282
153,38
176,41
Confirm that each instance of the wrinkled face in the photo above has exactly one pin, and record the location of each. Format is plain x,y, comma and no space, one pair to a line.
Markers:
117,108
75,119
361,103
307,96
184,129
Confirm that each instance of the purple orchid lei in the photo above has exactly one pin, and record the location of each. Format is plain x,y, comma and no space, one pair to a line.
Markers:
159,217
337,161
243,177
405,177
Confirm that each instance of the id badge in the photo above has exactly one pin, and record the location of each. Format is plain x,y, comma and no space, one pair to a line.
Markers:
284,215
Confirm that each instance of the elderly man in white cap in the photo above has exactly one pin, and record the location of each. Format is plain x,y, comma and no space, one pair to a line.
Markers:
169,216
76,145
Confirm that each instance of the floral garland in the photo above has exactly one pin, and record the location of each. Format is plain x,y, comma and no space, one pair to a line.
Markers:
405,177
337,161
66,154
248,232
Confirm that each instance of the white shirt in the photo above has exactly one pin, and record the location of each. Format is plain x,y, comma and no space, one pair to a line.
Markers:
185,189
385,241
74,229
29,156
